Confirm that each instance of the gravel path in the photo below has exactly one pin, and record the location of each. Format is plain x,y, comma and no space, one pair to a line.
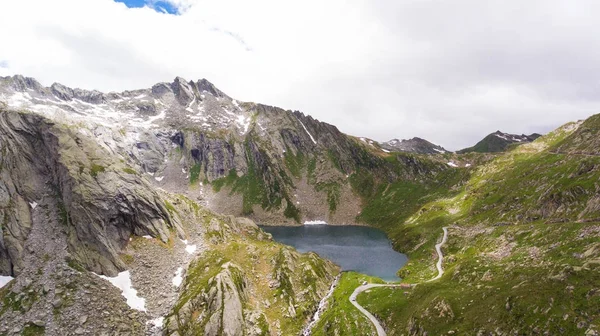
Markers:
360,289
438,248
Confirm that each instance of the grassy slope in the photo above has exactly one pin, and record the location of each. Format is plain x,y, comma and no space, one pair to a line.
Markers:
341,317
540,285
514,220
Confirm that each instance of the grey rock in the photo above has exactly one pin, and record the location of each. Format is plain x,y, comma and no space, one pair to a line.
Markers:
57,303
39,323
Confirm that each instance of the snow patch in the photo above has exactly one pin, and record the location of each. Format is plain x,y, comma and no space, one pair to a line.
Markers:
244,122
157,322
33,204
452,164
468,165
147,237
438,150
152,119
190,249
4,280
123,282
159,178
385,150
178,279
315,222
307,132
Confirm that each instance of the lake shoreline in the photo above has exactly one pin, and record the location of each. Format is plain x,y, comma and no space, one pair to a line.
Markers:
361,249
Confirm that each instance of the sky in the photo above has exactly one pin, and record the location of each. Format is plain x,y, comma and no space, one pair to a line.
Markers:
447,71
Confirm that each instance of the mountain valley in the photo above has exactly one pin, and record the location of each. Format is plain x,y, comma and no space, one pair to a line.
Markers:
163,188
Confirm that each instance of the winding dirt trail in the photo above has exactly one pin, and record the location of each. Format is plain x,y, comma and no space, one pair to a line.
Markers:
360,289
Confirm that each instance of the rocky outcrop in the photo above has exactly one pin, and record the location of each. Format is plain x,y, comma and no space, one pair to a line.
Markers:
245,284
224,301
583,141
219,306
101,203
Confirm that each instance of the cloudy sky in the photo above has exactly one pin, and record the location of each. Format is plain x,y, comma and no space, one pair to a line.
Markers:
448,71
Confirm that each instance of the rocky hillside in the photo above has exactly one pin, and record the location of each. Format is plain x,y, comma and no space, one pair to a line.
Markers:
83,226
414,145
499,142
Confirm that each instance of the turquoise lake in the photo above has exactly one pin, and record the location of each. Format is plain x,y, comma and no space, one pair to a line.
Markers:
357,248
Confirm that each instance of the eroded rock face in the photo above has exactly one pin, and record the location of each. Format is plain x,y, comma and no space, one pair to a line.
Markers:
225,302
100,204
246,284
220,303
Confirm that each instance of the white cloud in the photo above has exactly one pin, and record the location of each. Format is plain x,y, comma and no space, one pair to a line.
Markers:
450,72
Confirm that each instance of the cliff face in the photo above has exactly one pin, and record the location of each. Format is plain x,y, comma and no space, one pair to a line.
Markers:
99,204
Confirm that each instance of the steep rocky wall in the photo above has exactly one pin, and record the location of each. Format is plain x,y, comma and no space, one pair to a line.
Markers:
101,203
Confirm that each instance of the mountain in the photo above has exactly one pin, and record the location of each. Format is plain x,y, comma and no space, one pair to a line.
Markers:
414,145
239,158
145,187
82,213
499,142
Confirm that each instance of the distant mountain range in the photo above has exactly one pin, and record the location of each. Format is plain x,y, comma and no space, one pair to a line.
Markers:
414,145
499,142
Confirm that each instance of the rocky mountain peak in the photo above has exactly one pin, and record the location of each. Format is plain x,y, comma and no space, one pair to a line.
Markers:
62,92
183,91
205,85
499,142
414,145
187,91
21,83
